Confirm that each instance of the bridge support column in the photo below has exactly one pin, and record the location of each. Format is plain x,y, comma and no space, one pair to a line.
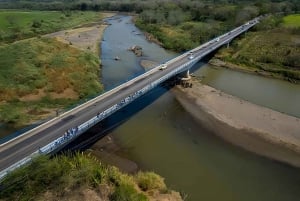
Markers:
227,45
187,74
186,80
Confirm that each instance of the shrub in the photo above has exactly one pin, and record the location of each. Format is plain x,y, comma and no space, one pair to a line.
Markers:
150,181
126,192
36,24
292,61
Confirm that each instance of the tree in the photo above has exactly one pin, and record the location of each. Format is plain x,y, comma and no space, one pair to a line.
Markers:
175,17
245,14
224,13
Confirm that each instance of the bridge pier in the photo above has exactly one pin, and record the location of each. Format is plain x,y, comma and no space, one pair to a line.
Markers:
186,75
186,80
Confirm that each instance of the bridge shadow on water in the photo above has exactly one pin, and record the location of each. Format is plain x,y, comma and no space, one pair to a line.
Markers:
106,126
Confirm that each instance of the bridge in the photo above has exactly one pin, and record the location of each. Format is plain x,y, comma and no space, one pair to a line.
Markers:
61,130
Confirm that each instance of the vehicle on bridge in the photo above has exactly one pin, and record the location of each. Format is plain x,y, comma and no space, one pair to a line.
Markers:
191,55
163,66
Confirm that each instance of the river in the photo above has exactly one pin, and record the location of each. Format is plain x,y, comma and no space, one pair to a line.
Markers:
162,137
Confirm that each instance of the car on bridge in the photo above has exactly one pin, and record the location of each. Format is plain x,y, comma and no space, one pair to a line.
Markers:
163,66
191,56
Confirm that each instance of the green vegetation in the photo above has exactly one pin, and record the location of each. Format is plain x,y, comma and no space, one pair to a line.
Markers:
292,20
40,75
150,181
67,176
180,27
184,36
16,25
266,6
272,49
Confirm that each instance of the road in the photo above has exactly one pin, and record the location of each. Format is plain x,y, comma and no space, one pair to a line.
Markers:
21,147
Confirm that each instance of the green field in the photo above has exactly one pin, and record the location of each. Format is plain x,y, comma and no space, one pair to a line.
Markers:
292,20
269,51
38,76
16,25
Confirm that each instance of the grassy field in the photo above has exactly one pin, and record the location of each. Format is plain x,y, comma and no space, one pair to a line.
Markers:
80,177
273,51
40,75
16,25
292,20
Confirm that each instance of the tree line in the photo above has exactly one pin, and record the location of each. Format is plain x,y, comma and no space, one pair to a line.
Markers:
196,7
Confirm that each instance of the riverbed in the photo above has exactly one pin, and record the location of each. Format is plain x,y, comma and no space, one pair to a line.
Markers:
161,136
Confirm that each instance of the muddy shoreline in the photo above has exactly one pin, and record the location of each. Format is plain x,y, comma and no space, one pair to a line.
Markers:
109,152
257,129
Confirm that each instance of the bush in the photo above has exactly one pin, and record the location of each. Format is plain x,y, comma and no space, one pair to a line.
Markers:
292,61
126,192
36,24
150,181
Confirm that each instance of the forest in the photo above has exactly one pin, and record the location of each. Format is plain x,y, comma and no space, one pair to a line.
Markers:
195,7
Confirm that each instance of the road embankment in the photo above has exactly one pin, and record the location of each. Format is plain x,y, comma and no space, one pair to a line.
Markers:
255,128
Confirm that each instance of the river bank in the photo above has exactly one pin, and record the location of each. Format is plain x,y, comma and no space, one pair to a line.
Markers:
86,38
258,129
219,63
109,152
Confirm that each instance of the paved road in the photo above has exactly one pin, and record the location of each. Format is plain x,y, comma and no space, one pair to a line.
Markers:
19,148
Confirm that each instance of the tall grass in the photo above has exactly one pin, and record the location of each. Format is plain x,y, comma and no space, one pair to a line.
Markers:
71,172
275,51
42,68
59,174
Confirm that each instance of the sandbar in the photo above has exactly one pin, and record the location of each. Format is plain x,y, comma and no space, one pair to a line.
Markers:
255,128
